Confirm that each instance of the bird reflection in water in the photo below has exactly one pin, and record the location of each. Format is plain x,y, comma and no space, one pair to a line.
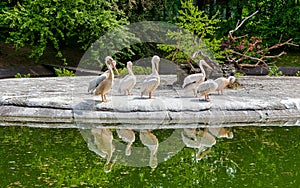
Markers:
103,140
150,140
203,138
128,136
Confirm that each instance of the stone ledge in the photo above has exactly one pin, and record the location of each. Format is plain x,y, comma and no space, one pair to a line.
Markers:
64,102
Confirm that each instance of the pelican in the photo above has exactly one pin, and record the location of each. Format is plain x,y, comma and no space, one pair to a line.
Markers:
150,140
95,82
103,140
153,80
207,87
104,82
127,135
220,132
192,82
224,82
128,82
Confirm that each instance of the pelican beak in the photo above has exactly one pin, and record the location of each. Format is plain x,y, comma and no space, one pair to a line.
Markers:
207,65
114,67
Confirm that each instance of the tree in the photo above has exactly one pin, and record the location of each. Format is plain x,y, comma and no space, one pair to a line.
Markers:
59,23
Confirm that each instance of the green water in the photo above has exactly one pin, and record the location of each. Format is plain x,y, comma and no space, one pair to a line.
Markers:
254,157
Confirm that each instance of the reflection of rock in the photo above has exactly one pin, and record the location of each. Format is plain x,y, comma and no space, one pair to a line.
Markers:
128,136
103,140
150,140
220,132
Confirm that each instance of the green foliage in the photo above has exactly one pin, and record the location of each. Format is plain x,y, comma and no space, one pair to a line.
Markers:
199,32
42,23
298,73
275,20
63,72
18,75
273,71
238,74
149,10
137,70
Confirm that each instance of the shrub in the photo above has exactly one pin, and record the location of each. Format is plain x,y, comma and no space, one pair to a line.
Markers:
273,71
197,23
63,72
19,75
42,23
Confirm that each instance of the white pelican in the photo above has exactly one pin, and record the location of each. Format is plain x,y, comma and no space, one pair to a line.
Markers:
192,82
103,140
220,132
207,87
224,82
127,135
95,82
153,80
150,140
128,82
104,83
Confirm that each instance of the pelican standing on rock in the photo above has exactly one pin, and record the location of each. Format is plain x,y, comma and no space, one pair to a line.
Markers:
150,140
128,136
224,82
153,80
207,87
101,85
128,82
192,82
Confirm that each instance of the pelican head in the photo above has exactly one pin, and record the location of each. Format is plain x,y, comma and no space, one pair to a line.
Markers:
111,63
129,65
231,79
202,62
155,62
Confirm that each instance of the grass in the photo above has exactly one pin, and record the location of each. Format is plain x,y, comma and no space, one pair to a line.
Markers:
291,59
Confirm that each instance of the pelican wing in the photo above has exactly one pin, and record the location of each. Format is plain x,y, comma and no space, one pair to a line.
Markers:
149,84
221,83
207,87
192,79
127,83
96,81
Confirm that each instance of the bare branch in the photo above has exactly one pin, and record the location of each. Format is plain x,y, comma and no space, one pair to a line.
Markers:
242,22
276,56
247,57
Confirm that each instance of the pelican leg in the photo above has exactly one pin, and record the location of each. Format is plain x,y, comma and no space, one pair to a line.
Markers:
150,95
195,93
102,97
207,98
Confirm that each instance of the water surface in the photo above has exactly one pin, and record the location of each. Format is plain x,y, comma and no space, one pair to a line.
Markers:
254,157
